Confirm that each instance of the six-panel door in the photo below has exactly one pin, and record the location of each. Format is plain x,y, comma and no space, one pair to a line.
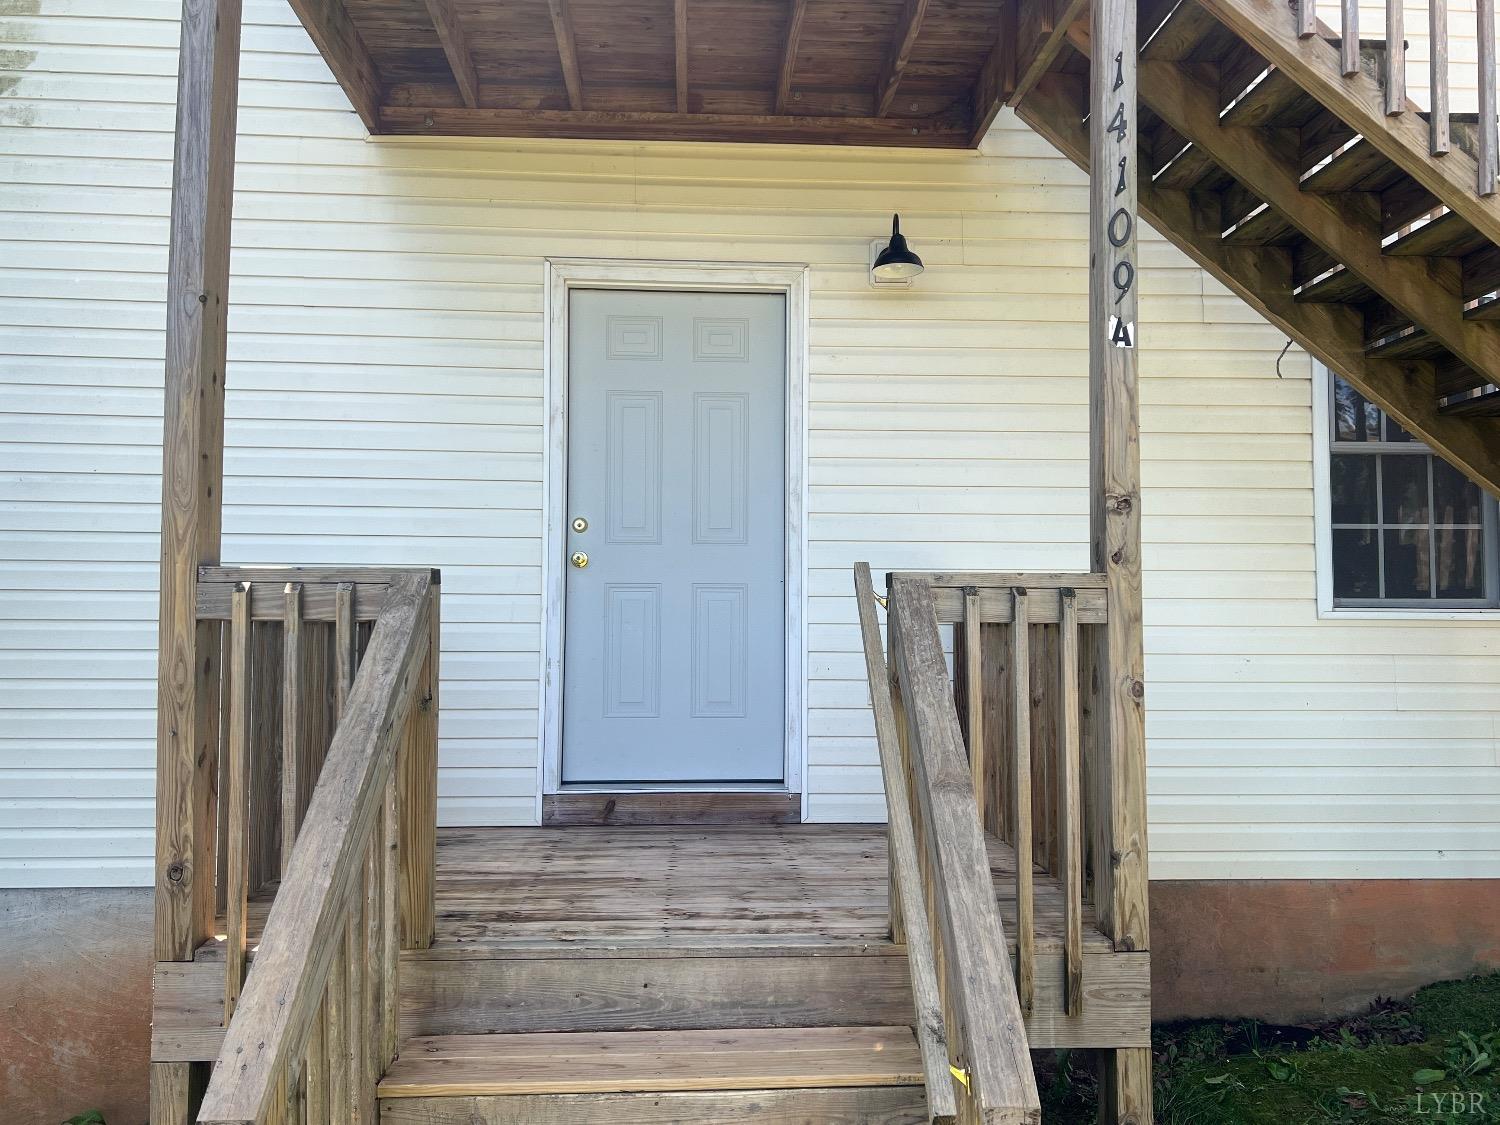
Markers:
674,647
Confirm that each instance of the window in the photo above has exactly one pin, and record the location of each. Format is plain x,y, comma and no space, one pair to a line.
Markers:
1407,530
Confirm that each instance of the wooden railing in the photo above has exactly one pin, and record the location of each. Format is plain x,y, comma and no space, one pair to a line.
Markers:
1023,644
968,1019
315,1024
1391,72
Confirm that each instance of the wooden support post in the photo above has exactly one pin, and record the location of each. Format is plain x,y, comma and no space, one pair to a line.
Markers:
1115,516
192,472
1439,135
418,799
973,674
295,757
1489,141
1020,797
237,802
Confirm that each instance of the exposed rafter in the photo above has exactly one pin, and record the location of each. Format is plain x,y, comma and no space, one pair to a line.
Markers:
908,27
337,39
680,38
997,78
1262,277
1040,33
795,11
567,50
456,47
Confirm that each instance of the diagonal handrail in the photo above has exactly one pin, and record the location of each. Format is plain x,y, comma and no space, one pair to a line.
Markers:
922,756
288,978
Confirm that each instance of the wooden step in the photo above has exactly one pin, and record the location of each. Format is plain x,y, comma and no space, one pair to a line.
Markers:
616,1062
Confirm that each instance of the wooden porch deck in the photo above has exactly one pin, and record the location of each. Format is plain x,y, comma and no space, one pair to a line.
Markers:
521,891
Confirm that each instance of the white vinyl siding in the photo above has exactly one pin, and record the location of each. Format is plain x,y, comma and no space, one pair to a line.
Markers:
385,406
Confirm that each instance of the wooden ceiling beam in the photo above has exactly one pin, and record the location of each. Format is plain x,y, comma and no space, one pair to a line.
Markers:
567,50
796,10
908,27
1262,277
338,41
950,131
681,38
456,47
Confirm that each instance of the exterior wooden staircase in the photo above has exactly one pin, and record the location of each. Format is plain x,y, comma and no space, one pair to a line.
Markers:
1294,168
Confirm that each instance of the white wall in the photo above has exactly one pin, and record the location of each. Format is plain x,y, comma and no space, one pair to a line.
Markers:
385,407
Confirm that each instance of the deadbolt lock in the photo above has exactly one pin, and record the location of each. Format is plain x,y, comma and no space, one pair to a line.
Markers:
580,524
579,559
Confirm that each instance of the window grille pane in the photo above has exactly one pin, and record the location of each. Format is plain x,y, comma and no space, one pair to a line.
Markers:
1353,479
1355,418
1394,432
1356,564
1460,562
1455,498
1408,560
1403,485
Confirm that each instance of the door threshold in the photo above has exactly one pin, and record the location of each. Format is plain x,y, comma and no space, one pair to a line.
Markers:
671,807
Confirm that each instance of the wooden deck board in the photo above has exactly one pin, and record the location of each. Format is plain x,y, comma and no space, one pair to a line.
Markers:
654,1061
528,891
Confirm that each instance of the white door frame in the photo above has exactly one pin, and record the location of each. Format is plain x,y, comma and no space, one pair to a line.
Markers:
564,274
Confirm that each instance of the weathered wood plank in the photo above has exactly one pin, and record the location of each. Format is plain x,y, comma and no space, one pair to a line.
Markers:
671,808
1438,128
903,846
567,50
908,27
237,803
193,471
1394,60
344,657
268,603
655,1061
1070,804
680,44
1021,798
980,990
1488,163
796,10
295,754
973,674
884,1105
1037,56
417,801
995,605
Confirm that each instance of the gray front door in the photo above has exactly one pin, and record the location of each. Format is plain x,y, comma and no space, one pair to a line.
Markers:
674,648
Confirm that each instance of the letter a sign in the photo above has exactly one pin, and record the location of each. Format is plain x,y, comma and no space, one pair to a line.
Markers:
1121,333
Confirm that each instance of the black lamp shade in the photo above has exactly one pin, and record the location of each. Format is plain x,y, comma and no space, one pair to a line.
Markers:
896,261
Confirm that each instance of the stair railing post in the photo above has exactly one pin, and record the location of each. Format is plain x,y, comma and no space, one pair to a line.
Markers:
1115,516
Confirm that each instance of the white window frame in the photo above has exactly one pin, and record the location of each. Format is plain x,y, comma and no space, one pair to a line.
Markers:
1322,390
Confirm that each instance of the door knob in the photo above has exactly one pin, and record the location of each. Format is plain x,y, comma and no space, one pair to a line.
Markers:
579,559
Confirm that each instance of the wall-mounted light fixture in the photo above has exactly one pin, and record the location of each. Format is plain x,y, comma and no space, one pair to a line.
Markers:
892,264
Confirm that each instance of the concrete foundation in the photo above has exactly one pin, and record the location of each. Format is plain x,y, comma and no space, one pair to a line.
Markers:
1298,950
75,1004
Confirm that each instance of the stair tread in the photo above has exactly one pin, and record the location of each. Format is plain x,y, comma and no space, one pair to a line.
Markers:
654,1061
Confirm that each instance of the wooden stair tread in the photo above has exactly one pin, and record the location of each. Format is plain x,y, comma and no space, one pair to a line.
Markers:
654,1061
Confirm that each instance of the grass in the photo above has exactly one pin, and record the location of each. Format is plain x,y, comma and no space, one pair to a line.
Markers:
1431,1060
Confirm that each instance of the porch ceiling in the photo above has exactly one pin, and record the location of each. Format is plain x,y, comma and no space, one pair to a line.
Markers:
922,73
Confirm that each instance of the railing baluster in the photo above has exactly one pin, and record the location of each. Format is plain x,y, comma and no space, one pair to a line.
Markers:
343,610
293,756
1438,131
1069,811
1349,41
317,1068
374,1038
390,933
973,672
1307,18
237,801
1489,146
1395,58
1020,717
336,1032
354,958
